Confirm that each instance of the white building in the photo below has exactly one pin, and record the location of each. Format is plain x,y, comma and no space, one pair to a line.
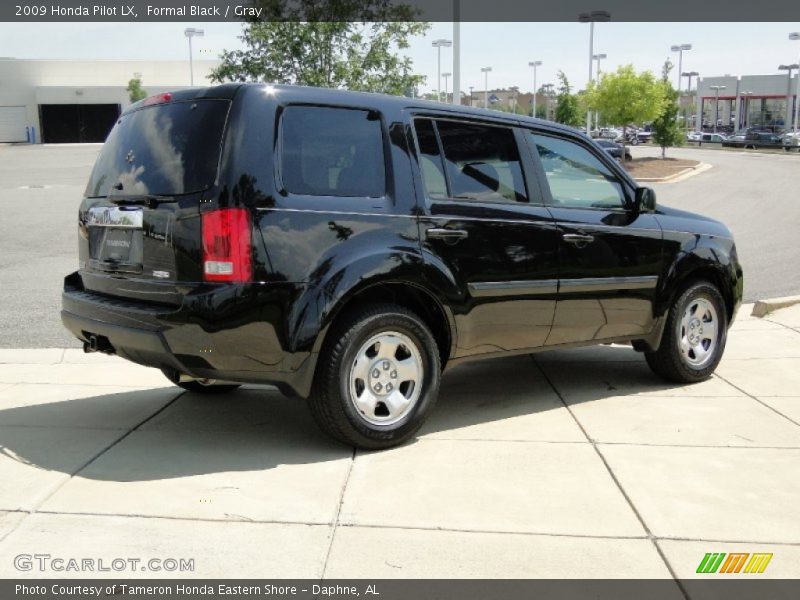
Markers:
79,100
747,101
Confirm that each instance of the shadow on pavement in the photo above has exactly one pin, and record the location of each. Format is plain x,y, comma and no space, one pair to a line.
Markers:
257,428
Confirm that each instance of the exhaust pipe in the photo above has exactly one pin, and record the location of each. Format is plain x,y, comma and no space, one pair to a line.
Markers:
91,345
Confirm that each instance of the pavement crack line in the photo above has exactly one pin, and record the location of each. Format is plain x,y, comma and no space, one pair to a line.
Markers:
613,476
85,464
761,402
338,513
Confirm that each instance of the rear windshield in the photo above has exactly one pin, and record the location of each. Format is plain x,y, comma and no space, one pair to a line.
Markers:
164,150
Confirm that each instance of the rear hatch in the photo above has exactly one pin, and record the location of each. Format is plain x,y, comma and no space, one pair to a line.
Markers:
140,230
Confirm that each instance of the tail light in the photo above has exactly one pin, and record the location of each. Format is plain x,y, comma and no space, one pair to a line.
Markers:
226,245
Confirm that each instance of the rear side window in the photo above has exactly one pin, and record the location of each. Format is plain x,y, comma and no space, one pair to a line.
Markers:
332,152
163,149
482,162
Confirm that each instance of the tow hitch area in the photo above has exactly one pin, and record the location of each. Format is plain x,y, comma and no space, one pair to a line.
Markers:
97,343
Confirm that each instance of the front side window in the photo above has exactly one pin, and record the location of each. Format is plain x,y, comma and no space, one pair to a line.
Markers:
482,162
332,152
577,178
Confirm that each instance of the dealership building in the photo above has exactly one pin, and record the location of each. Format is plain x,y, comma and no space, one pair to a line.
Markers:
739,102
62,101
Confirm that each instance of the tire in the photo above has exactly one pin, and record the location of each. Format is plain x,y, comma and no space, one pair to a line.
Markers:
344,401
683,356
206,387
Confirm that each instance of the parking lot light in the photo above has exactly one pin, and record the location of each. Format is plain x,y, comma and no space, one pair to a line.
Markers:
191,32
679,48
486,71
795,36
446,77
596,16
534,64
439,44
690,74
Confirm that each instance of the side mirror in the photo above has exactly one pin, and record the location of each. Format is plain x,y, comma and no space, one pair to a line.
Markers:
645,200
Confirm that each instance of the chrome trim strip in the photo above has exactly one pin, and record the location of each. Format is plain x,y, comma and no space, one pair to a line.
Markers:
539,287
607,284
115,216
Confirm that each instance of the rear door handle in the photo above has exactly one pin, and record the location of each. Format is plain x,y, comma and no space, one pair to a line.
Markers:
579,239
449,235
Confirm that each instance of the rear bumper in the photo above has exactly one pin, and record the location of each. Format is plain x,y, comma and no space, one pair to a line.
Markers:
223,332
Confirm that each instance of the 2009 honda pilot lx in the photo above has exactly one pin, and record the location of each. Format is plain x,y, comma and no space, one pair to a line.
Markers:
345,247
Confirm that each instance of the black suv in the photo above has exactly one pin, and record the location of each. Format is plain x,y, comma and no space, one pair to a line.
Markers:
345,247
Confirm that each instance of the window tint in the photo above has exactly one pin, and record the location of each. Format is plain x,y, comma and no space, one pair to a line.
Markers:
163,149
430,160
332,152
576,177
482,161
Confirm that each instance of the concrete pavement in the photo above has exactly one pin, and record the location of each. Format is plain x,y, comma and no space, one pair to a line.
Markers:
569,464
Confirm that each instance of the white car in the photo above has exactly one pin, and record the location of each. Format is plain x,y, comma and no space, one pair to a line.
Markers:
791,140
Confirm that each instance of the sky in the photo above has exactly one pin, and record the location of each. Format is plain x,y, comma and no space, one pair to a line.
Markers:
718,48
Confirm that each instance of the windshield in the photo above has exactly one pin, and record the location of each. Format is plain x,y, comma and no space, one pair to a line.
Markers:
163,150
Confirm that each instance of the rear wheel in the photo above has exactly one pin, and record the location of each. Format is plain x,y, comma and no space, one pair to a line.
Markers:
377,378
694,337
199,386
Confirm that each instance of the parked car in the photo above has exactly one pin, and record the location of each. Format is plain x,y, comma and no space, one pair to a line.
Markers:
694,136
755,139
714,138
348,247
614,150
791,141
640,136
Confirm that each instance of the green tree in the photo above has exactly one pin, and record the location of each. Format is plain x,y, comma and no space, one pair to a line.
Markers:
626,97
329,43
567,107
666,130
135,90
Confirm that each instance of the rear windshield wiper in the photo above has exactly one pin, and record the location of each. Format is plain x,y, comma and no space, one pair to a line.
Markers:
148,200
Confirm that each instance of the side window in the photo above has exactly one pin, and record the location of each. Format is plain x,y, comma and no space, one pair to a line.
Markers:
332,152
482,162
576,177
430,160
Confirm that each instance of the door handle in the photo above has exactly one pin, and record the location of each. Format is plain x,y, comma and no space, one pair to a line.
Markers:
579,239
449,235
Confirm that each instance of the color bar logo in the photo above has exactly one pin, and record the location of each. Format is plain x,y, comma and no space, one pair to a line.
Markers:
736,562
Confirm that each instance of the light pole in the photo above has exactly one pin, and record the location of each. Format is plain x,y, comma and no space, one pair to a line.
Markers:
795,36
716,89
470,94
679,48
486,71
596,16
745,109
547,89
690,74
598,58
446,76
534,64
439,44
191,32
789,69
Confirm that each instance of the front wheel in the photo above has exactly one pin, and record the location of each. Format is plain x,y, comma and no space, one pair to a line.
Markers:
694,337
377,378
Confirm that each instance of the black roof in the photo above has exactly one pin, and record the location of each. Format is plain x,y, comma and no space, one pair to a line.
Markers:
367,99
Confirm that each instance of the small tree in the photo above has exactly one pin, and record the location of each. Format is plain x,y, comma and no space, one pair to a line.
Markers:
625,97
327,43
567,110
666,130
135,90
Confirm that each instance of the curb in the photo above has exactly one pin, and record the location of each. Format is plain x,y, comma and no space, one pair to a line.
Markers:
763,307
679,176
